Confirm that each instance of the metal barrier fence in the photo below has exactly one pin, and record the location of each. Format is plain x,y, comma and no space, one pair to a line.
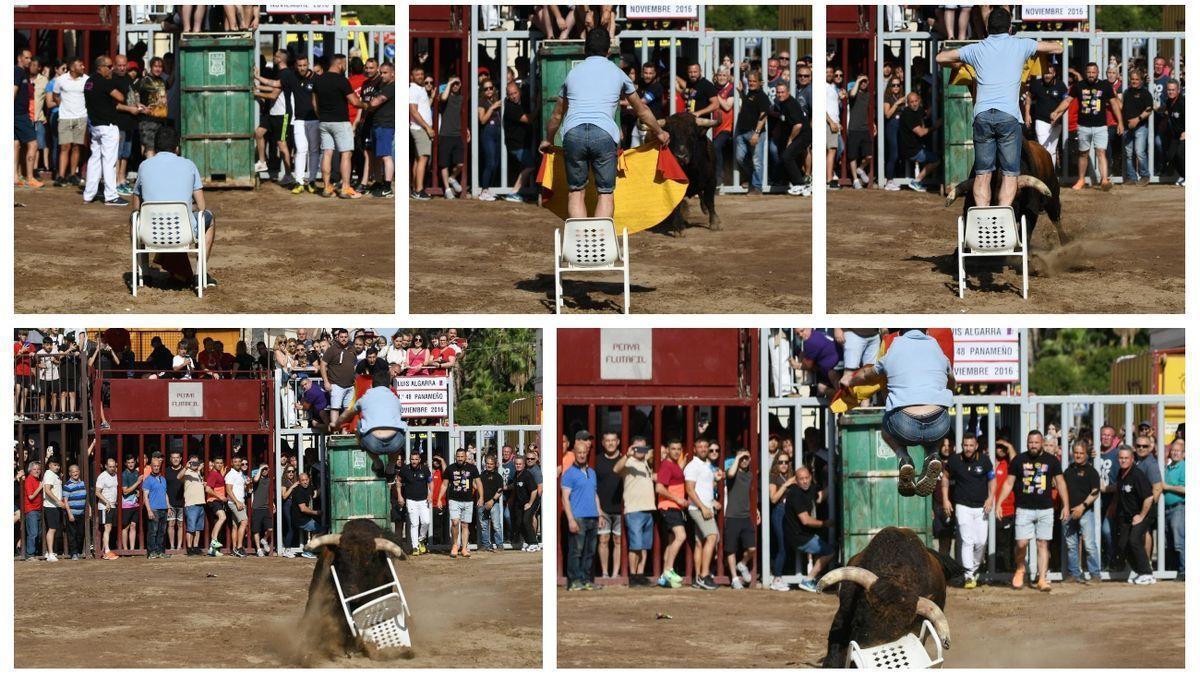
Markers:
49,387
708,46
1098,46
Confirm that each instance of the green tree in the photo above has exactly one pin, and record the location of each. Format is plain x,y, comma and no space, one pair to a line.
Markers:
373,15
497,369
741,17
1079,360
1129,17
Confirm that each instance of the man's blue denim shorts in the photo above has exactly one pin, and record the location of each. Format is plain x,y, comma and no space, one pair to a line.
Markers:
997,134
585,147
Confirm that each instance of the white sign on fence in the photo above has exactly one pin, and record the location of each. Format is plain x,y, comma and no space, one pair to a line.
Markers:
626,354
987,372
423,396
297,8
971,351
661,10
987,354
185,399
986,334
425,410
1054,12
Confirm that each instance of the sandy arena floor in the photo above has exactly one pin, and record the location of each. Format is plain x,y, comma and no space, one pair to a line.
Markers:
497,257
230,613
894,252
991,627
274,253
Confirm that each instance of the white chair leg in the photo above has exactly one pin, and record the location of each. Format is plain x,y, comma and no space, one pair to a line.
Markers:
961,269
557,290
625,264
1024,274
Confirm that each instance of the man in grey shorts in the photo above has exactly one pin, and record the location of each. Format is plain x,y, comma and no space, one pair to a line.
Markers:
699,478
1033,473
461,481
588,99
331,93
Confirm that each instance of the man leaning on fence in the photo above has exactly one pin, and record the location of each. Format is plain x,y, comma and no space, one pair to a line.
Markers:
584,111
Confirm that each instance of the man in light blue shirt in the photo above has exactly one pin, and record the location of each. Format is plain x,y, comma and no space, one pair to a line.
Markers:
167,177
381,427
998,61
588,99
919,381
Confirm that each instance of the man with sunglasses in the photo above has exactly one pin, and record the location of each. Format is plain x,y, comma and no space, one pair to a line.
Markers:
420,128
450,136
104,97
739,526
1146,460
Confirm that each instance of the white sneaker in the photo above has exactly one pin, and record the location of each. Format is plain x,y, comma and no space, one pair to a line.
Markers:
795,190
778,584
857,184
289,553
524,547
891,186
805,190
487,196
862,175
743,571
455,186
1143,580
50,557
737,583
534,548
259,167
450,193
1132,578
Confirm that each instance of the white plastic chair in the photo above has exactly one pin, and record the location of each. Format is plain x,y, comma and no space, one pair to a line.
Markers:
907,652
383,620
589,245
992,231
165,227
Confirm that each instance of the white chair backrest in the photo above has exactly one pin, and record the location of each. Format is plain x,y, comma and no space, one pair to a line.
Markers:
590,242
903,654
991,229
166,225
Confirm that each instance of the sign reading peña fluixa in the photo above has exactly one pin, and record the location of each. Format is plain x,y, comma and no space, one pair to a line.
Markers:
185,399
626,354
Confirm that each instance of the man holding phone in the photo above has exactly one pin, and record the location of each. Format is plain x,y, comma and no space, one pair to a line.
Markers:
637,495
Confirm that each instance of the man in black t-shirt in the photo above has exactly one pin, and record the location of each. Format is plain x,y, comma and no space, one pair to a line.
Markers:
609,488
802,529
1045,106
974,482
1173,128
412,495
1137,104
748,130
331,93
1095,96
304,512
376,367
915,135
175,504
705,99
1031,477
518,132
654,96
789,135
491,513
105,100
383,128
1135,498
524,488
461,482
1083,486
25,139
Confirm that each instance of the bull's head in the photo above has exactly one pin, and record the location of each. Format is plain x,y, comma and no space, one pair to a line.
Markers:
687,134
382,545
890,609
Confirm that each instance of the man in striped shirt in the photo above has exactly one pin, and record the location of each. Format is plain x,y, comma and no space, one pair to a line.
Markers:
75,494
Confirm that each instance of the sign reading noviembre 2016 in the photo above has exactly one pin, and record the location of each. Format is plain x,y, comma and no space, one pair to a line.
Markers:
626,354
185,399
661,10
1054,12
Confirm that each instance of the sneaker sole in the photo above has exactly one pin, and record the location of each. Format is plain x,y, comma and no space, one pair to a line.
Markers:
905,485
929,480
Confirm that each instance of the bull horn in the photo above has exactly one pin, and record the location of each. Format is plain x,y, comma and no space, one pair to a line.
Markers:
389,547
323,540
1027,181
707,123
858,575
929,610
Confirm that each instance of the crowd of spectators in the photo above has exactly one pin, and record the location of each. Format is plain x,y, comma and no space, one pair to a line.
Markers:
93,129
771,134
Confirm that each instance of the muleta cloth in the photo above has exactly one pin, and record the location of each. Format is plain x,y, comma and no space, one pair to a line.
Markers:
650,184
841,402
1034,67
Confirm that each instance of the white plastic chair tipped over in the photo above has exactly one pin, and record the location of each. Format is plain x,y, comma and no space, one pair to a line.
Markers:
903,654
991,231
589,245
165,227
383,620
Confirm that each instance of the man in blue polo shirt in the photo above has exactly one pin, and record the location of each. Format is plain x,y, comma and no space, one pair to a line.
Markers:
154,491
998,61
588,99
582,509
167,177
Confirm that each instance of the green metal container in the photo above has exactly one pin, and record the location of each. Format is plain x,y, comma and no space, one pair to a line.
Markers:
556,58
354,489
870,501
217,107
958,117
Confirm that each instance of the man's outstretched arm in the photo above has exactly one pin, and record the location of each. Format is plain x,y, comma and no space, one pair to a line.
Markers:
947,57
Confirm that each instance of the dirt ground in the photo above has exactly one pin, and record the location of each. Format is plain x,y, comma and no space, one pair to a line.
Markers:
893,252
497,257
274,253
230,613
991,627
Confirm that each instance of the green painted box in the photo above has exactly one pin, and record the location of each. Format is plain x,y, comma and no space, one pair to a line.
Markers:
217,107
958,118
354,489
870,501
556,58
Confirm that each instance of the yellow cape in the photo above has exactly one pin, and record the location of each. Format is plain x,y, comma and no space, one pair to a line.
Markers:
650,185
1033,68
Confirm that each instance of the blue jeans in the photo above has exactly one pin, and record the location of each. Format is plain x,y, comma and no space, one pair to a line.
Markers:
997,136
891,147
1135,142
741,150
489,160
926,432
33,532
1175,520
779,558
581,551
719,144
491,525
379,446
1084,528
589,149
156,531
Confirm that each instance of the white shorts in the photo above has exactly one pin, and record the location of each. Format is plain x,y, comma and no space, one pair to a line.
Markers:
1034,524
340,397
462,511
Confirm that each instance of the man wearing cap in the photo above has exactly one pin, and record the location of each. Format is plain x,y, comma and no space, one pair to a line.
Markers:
581,506
637,494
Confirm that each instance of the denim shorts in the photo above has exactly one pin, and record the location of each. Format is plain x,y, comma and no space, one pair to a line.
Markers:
124,146
923,156
585,147
639,530
816,546
381,446
195,517
997,135
926,432
1093,137
39,131
337,136
384,138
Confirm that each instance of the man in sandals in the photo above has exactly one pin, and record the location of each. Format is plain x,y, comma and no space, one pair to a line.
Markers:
920,383
331,93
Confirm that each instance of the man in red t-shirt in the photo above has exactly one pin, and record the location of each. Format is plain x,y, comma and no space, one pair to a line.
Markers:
214,491
23,370
671,489
1006,512
31,507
